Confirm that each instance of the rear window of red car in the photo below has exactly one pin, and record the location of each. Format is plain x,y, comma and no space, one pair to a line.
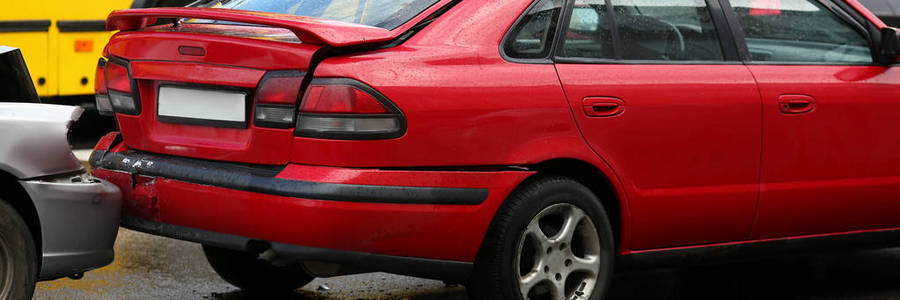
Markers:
387,14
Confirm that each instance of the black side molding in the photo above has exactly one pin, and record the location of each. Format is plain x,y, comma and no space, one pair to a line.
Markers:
81,26
25,26
261,179
706,255
455,271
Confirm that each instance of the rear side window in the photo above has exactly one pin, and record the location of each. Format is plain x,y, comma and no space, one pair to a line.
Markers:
387,14
532,36
665,30
799,31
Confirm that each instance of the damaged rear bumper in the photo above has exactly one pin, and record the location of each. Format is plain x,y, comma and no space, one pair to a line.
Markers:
413,222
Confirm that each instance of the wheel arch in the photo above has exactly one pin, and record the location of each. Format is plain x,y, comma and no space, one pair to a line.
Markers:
602,182
13,193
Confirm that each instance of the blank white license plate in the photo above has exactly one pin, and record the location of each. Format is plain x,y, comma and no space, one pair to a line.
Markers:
202,104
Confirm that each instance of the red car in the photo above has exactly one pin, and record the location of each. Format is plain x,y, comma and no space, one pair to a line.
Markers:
519,147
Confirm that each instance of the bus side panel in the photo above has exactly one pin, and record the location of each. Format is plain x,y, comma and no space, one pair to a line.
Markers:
78,54
34,47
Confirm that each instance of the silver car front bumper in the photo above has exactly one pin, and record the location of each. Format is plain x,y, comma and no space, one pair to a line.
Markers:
79,217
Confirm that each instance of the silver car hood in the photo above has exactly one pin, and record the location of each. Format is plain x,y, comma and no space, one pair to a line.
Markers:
34,139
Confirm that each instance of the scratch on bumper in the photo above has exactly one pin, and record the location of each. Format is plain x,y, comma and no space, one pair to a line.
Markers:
262,180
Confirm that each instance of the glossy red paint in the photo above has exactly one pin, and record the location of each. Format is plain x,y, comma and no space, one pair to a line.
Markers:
161,45
310,30
688,155
698,155
835,167
155,60
430,78
450,232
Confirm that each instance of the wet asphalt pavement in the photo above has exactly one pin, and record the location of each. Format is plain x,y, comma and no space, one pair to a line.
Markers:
151,267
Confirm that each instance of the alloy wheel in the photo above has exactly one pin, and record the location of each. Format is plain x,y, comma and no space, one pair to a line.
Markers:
558,255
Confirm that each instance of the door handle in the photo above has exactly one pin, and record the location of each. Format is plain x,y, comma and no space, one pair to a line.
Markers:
796,104
602,106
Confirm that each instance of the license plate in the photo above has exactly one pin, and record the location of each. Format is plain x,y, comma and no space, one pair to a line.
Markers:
197,106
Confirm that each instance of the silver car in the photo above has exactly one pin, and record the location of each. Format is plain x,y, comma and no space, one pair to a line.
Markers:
55,219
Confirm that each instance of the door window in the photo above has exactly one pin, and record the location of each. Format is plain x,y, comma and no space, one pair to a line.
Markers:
666,30
799,31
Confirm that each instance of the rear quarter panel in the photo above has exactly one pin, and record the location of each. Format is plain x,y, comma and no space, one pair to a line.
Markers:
464,104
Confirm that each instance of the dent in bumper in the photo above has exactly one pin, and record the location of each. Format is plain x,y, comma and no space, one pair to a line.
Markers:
79,217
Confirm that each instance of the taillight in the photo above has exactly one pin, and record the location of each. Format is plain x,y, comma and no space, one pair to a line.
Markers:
121,88
341,108
276,99
101,94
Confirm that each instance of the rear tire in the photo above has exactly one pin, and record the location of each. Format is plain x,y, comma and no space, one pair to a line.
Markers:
247,272
18,257
551,239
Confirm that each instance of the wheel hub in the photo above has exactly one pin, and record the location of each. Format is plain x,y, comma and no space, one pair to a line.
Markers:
557,255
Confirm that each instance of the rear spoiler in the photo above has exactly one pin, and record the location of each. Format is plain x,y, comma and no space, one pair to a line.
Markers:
308,29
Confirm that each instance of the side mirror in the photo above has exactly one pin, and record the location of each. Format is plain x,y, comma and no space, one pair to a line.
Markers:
890,45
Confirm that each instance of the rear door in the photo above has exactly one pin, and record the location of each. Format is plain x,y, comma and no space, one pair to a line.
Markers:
658,92
830,119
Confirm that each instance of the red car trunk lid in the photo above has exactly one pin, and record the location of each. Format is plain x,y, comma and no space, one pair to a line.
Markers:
228,63
222,58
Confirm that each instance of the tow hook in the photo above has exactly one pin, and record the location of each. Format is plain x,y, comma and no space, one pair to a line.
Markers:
76,276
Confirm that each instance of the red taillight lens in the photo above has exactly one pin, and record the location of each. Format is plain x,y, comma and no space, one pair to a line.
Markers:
100,78
276,99
117,78
101,96
280,90
340,99
341,108
122,96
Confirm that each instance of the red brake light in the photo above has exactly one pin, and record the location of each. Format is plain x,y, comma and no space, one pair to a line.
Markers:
101,96
346,109
279,90
100,78
343,99
122,96
117,78
276,99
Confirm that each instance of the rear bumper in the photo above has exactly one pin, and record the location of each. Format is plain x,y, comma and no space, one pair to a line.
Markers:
414,222
79,222
421,267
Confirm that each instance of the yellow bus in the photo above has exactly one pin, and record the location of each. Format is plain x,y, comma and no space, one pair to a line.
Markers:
62,40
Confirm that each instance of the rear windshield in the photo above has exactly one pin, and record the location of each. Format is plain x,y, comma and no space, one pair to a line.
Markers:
387,14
